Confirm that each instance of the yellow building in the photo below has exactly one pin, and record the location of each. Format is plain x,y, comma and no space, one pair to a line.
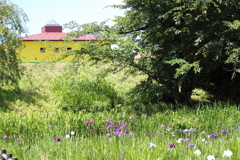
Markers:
49,45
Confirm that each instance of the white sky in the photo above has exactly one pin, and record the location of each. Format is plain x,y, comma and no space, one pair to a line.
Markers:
40,12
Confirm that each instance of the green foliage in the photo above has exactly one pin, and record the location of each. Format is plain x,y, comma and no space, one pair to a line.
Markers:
183,45
78,92
37,130
12,25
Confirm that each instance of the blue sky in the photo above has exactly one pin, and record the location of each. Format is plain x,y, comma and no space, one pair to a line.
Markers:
39,12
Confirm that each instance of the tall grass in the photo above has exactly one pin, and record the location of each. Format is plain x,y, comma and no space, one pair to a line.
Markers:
37,132
80,93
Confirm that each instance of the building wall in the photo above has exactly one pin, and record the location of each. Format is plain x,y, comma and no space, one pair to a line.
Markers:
31,51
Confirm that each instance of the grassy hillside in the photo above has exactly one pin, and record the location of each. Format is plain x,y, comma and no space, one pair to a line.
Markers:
36,123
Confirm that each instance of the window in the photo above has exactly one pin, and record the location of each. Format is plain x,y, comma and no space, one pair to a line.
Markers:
42,50
56,50
69,48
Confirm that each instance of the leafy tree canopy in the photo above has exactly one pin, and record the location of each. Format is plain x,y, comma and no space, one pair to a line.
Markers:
12,25
183,44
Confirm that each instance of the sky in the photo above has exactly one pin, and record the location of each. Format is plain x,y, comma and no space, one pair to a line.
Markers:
39,12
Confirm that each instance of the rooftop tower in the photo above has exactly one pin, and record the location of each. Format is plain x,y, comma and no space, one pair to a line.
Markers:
52,26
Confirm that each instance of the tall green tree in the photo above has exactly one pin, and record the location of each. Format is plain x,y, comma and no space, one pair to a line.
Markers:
12,26
183,44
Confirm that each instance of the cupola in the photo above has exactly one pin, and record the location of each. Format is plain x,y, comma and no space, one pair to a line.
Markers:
52,26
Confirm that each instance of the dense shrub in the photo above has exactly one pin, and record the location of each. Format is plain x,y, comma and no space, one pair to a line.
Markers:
81,93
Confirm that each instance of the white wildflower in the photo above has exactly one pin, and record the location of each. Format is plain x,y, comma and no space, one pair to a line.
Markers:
197,152
179,140
151,145
67,136
211,157
227,153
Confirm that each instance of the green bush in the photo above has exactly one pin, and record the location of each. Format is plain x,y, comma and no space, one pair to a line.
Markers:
83,93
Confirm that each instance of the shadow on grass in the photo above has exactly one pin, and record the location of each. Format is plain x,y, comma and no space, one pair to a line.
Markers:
12,96
164,107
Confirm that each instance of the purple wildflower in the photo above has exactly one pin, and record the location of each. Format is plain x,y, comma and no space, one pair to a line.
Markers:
224,131
171,145
109,127
119,122
191,145
57,138
5,137
203,132
91,130
116,133
185,131
187,140
191,129
213,135
131,133
219,122
169,125
126,131
132,119
108,135
238,127
119,133
161,126
115,127
122,126
91,121
108,120
18,139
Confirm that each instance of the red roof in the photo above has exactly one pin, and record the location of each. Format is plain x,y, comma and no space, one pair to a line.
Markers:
54,36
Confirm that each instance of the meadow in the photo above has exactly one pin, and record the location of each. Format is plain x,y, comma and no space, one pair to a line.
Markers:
58,116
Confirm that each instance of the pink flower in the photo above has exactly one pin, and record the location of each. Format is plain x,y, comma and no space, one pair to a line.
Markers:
5,137
108,135
18,139
122,126
108,120
57,138
171,145
91,130
150,134
91,121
